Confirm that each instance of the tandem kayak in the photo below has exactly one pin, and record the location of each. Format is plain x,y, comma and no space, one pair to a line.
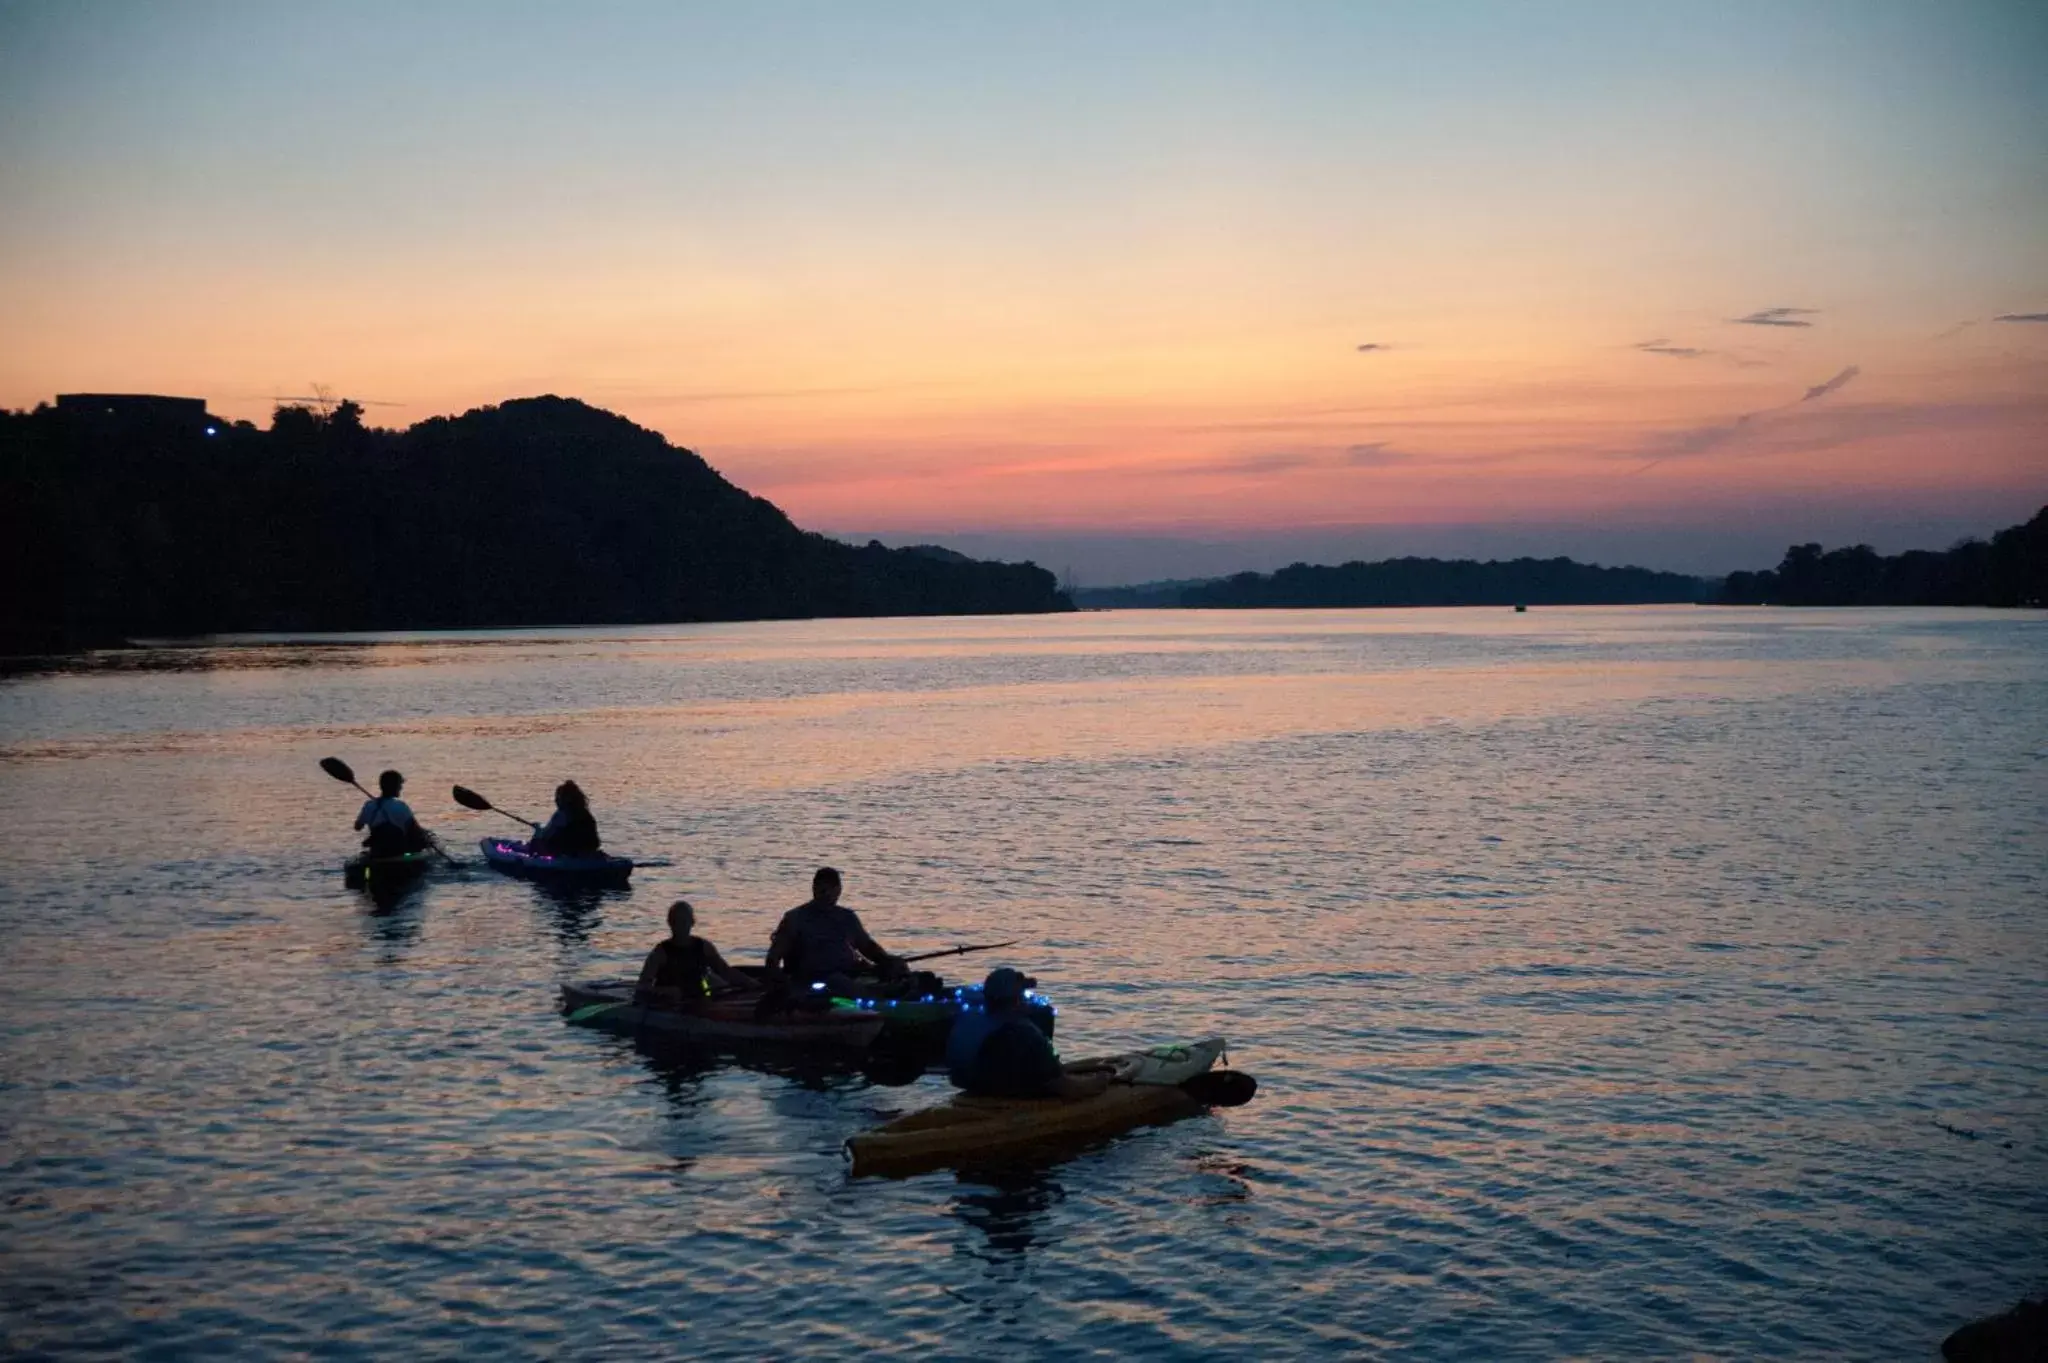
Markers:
369,873
513,859
1152,1086
921,1016
609,1003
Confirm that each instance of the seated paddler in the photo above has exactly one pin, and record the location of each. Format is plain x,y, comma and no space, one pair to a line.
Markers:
388,823
1001,1053
571,831
822,941
685,970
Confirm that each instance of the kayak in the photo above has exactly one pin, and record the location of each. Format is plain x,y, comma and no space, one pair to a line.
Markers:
366,872
513,859
926,1018
609,1003
970,1131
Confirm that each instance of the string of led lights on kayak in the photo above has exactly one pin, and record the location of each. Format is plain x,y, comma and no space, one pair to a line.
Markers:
962,998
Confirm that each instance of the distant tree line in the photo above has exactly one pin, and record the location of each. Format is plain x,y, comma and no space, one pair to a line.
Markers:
2011,570
1448,582
541,511
1142,596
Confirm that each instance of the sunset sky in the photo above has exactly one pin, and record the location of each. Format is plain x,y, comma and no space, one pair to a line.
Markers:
1222,272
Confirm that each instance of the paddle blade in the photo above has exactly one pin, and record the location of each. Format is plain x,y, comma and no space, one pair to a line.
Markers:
338,769
1222,1088
469,799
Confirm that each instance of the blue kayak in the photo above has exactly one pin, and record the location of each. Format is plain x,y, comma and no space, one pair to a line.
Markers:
513,858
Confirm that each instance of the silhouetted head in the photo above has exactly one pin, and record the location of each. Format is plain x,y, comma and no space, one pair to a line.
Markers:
569,795
1003,990
825,886
681,918
390,783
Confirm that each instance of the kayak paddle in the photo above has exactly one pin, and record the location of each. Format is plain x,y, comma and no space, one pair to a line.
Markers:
339,770
955,951
469,799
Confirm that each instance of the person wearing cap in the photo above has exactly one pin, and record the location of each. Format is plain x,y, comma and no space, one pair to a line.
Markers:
823,940
1000,1052
392,829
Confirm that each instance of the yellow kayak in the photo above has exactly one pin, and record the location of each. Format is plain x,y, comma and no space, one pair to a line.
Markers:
970,1130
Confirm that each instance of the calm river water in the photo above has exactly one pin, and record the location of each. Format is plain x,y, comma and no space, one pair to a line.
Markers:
1609,975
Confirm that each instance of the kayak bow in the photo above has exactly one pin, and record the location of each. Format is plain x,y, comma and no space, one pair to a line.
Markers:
1152,1086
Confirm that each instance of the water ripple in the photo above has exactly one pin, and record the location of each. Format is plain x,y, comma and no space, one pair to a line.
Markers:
1610,978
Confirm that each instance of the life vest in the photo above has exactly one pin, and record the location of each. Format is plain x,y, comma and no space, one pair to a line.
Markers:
963,1045
683,968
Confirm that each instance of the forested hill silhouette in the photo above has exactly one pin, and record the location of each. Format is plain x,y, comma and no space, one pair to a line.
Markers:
122,522
2012,570
1448,582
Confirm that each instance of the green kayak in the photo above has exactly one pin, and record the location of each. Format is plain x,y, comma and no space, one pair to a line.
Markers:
383,873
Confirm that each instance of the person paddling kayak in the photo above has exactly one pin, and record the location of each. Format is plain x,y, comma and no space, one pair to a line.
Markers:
685,970
572,831
1001,1053
823,940
392,830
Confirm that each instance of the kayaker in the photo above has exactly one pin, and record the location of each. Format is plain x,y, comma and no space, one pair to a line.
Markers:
1001,1053
685,969
392,829
572,831
823,940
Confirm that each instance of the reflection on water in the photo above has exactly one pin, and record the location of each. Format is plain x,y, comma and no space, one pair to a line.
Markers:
1010,1209
1606,974
394,924
574,911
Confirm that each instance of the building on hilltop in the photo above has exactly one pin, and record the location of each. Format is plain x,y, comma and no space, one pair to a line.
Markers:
137,413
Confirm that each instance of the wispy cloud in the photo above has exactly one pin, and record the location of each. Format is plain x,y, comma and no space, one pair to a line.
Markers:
1955,330
1799,427
1696,440
1777,317
1369,347
1377,455
1704,439
1273,463
661,399
1278,461
1661,346
1841,380
2021,317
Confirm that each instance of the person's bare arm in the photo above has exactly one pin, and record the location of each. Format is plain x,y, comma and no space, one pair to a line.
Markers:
646,988
717,969
869,947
